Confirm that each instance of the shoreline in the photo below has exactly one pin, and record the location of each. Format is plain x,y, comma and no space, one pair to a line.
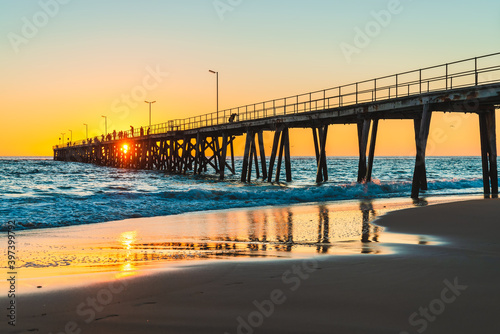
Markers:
211,297
110,240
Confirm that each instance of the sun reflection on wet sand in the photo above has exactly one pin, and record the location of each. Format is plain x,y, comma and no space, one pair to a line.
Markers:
123,248
127,239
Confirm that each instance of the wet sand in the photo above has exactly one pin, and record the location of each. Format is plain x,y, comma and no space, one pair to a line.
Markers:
444,287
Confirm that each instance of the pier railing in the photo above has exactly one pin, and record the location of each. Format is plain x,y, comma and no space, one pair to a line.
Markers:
464,73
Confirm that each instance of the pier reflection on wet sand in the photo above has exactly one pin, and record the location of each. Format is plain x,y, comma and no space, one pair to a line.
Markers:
269,232
273,232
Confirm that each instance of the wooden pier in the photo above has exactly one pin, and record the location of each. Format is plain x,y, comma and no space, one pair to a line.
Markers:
195,144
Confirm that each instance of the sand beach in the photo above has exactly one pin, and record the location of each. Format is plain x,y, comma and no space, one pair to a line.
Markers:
447,286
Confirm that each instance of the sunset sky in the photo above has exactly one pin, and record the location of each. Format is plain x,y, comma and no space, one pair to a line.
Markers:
65,63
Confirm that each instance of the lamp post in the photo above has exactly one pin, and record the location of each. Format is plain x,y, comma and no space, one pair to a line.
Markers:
150,111
86,131
71,132
105,124
217,79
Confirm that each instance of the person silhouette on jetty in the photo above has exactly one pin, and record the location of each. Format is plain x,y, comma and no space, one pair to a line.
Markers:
114,134
142,131
232,118
131,131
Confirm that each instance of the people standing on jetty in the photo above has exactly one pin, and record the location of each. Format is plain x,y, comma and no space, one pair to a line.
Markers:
142,131
114,134
232,118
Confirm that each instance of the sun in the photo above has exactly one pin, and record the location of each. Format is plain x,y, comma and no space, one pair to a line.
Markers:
125,148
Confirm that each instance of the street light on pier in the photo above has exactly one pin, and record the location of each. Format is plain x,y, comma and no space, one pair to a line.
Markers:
86,131
105,125
150,111
217,79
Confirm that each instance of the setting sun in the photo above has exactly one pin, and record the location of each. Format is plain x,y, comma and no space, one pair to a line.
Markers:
125,148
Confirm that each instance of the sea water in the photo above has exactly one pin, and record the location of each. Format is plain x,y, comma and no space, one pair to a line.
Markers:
40,192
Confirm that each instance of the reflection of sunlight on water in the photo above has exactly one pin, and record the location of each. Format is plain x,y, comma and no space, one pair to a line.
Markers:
126,270
127,239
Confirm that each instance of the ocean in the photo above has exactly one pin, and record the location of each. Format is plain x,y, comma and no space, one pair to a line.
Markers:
42,193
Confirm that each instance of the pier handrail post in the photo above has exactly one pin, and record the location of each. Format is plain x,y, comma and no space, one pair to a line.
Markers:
340,96
420,80
475,71
446,76
396,86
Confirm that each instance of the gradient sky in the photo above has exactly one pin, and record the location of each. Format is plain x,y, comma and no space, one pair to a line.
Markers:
85,57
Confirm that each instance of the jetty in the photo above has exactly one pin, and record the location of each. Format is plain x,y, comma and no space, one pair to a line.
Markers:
197,144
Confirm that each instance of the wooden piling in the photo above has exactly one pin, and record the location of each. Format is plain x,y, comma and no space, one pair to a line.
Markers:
483,135
419,174
492,139
316,144
197,154
216,150
256,158
363,131
280,156
232,155
274,150
248,144
288,164
371,154
250,159
222,161
487,127
262,154
320,149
